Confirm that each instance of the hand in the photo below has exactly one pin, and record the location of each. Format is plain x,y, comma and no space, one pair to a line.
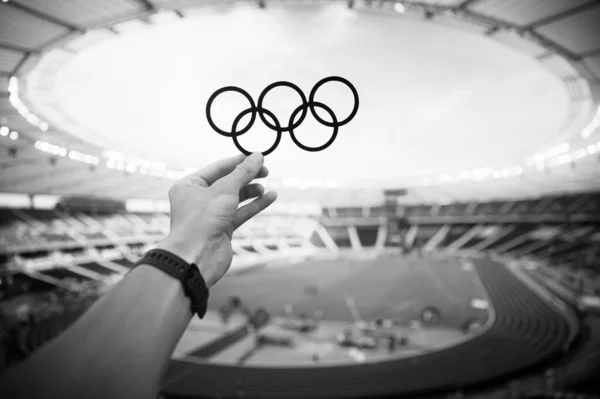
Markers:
204,212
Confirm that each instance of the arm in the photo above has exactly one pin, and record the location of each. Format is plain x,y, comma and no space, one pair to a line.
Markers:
121,346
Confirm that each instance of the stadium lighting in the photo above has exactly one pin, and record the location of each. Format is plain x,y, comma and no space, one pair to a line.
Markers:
164,18
13,85
579,153
130,26
481,304
15,100
564,159
4,130
592,126
333,184
158,166
112,160
399,7
115,155
14,135
591,149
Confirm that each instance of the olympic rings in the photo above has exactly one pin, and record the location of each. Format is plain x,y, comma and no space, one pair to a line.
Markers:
223,90
272,86
335,125
277,128
292,123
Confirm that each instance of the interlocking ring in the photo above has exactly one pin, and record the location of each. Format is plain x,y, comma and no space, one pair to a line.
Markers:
292,123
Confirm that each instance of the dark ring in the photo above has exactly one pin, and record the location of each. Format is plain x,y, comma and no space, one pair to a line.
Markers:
311,99
335,126
311,103
209,105
262,97
235,136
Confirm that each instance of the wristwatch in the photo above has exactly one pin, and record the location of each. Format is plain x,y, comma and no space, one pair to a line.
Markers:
188,274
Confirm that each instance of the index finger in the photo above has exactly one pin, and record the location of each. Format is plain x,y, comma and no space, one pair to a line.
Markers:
213,172
245,172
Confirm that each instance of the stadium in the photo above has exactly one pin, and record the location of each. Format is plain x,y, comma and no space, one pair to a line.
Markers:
442,242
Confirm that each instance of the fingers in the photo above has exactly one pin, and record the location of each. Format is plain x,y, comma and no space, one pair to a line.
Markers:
244,172
215,171
264,172
251,191
250,210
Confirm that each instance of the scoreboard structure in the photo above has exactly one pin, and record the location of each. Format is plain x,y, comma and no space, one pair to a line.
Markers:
397,225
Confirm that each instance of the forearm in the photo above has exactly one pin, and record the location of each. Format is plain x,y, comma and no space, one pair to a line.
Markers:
119,348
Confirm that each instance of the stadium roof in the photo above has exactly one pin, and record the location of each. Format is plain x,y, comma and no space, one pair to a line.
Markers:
41,43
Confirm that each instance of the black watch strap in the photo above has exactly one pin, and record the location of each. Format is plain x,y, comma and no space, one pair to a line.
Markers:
188,274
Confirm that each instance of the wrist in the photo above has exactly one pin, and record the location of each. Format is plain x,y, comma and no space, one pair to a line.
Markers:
190,254
187,274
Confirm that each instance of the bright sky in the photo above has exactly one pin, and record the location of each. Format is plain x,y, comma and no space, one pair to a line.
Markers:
432,99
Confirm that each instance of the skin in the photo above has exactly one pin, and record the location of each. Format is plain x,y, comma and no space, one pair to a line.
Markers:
121,346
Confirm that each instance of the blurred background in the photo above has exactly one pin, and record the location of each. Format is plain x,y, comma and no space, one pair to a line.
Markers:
446,244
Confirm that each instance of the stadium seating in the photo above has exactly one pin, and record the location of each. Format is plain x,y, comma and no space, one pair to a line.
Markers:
561,230
14,231
83,248
64,250
34,229
574,206
31,338
123,262
75,242
367,235
15,285
340,236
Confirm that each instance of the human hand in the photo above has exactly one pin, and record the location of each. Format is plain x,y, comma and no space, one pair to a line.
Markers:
204,212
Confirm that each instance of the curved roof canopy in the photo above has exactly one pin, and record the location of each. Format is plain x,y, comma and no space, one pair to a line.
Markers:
458,99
